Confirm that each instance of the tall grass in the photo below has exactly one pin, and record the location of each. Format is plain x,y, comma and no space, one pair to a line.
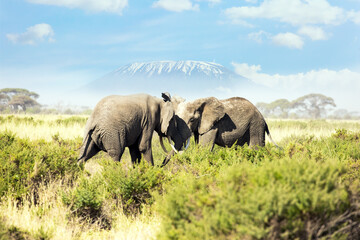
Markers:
49,219
308,190
43,126
70,127
287,129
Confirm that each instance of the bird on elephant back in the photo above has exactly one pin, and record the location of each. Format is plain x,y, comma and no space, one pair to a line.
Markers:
129,121
223,122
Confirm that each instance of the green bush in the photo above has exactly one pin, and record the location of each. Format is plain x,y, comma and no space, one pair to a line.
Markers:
308,190
24,163
265,194
133,187
87,198
128,189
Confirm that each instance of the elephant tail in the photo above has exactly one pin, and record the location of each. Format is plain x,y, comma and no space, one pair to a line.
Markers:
269,135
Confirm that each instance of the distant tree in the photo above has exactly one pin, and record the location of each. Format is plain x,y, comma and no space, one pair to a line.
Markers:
278,107
264,108
4,99
19,91
341,114
314,105
18,97
311,105
23,102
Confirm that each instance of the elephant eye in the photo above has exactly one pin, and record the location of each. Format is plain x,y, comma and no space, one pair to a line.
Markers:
191,119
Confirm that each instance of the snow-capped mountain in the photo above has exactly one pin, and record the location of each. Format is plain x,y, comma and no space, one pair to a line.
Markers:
186,69
189,79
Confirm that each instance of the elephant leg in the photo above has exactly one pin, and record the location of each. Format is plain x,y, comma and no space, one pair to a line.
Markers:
257,136
148,156
135,154
90,151
196,137
115,154
114,146
145,145
244,138
208,138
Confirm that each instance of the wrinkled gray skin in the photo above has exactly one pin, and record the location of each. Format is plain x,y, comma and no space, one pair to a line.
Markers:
223,122
129,121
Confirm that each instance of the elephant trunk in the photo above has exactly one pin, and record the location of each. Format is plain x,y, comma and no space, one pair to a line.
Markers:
173,151
162,145
167,158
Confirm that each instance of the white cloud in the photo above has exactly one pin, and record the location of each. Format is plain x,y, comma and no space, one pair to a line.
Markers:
323,78
211,2
342,85
314,33
259,36
246,70
354,16
176,5
289,40
33,35
295,12
113,6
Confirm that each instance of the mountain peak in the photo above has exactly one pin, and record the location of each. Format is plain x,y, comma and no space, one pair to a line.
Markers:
184,78
184,68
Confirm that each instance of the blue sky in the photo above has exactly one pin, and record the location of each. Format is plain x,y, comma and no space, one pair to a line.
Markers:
301,46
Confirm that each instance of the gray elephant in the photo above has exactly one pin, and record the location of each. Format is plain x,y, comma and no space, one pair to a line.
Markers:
223,122
129,121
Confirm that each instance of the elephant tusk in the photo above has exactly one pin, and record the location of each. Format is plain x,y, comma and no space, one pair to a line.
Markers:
162,145
187,143
172,145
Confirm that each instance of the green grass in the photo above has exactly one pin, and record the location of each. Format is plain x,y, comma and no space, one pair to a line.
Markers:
310,189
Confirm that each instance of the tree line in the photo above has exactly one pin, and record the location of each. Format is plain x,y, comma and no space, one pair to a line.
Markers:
312,106
20,100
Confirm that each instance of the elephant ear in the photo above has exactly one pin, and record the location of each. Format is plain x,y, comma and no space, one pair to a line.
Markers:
212,111
166,97
167,113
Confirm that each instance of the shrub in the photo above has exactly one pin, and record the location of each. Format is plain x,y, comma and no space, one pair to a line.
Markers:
297,193
86,200
128,189
133,187
24,163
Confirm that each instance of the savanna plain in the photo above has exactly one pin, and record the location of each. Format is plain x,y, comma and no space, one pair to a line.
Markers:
308,189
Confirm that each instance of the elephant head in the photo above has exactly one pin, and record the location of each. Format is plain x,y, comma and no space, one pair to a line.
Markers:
173,128
200,115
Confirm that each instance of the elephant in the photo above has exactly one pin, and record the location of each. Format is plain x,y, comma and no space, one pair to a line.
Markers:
224,122
129,121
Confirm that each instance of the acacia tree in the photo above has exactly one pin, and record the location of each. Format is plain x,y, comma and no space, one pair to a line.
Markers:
18,97
314,105
311,105
23,102
18,91
4,99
